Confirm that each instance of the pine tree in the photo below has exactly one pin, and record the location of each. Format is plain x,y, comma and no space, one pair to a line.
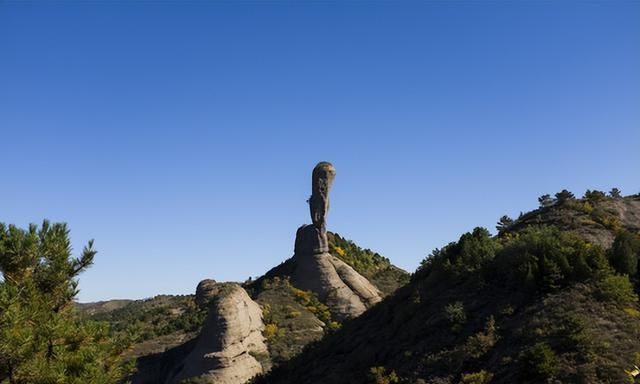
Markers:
504,223
624,253
545,201
595,195
615,193
564,196
42,339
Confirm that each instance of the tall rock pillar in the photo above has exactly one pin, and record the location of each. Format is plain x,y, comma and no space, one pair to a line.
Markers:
346,292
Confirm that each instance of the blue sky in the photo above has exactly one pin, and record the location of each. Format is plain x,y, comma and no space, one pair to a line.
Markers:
181,135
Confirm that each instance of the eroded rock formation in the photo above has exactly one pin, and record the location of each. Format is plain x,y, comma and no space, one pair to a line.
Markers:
205,292
346,292
231,338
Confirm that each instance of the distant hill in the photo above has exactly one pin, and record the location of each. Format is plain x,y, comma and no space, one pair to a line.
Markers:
552,299
98,307
160,323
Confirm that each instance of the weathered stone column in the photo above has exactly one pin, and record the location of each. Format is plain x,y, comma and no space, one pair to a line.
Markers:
345,291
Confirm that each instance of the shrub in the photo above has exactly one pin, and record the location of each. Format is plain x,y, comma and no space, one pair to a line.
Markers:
456,315
575,333
482,342
270,331
632,312
379,376
540,361
586,207
624,253
611,222
310,301
480,377
617,288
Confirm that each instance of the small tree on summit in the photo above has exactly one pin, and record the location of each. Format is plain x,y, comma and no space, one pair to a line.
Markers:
595,196
504,223
545,201
564,196
615,193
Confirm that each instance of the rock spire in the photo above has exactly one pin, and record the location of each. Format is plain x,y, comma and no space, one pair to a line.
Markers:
346,292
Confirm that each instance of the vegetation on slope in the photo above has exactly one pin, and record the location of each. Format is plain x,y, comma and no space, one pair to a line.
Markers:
293,318
538,303
376,268
150,318
596,217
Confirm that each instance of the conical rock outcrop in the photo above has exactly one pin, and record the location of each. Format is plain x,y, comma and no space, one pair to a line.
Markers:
231,337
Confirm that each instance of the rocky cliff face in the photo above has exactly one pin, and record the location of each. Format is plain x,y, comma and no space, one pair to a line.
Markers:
231,337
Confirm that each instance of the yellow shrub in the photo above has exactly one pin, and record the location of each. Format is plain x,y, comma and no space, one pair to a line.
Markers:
270,331
586,208
632,312
480,377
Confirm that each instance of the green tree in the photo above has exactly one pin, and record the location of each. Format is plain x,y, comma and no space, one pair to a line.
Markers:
595,196
540,360
42,339
615,193
564,196
624,253
545,201
617,288
504,223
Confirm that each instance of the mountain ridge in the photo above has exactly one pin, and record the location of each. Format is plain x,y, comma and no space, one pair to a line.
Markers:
540,302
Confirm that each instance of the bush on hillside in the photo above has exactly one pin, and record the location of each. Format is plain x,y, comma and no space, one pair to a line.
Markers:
624,253
617,288
471,253
540,361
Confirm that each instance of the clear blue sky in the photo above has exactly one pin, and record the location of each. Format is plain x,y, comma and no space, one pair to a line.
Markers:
181,136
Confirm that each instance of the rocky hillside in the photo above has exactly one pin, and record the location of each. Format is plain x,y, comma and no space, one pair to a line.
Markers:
167,325
596,217
552,299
